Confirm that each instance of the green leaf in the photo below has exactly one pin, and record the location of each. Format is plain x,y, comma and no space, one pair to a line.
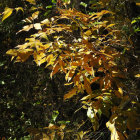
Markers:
133,21
83,4
53,1
49,7
63,122
55,115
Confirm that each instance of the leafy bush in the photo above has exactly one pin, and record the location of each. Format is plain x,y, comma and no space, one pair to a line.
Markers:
86,49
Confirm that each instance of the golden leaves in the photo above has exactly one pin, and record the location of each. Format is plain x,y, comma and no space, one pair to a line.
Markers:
99,15
37,26
137,75
26,28
35,15
8,11
115,135
22,55
85,60
12,52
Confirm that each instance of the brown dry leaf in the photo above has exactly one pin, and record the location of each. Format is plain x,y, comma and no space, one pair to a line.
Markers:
87,86
55,70
70,94
95,79
24,55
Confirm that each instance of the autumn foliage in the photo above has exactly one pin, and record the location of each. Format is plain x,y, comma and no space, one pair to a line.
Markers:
85,49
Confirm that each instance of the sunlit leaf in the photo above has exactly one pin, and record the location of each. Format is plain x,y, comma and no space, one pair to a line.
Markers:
112,128
35,15
88,32
37,26
32,1
7,12
120,90
50,59
90,113
46,21
138,3
12,52
19,8
138,75
26,28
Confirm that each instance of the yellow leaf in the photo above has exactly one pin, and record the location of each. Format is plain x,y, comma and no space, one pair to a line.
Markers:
138,75
120,90
110,25
86,97
31,1
69,75
26,28
46,21
111,127
35,15
7,12
81,134
33,8
88,32
19,8
138,4
70,94
67,84
42,61
49,59
12,52
38,58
